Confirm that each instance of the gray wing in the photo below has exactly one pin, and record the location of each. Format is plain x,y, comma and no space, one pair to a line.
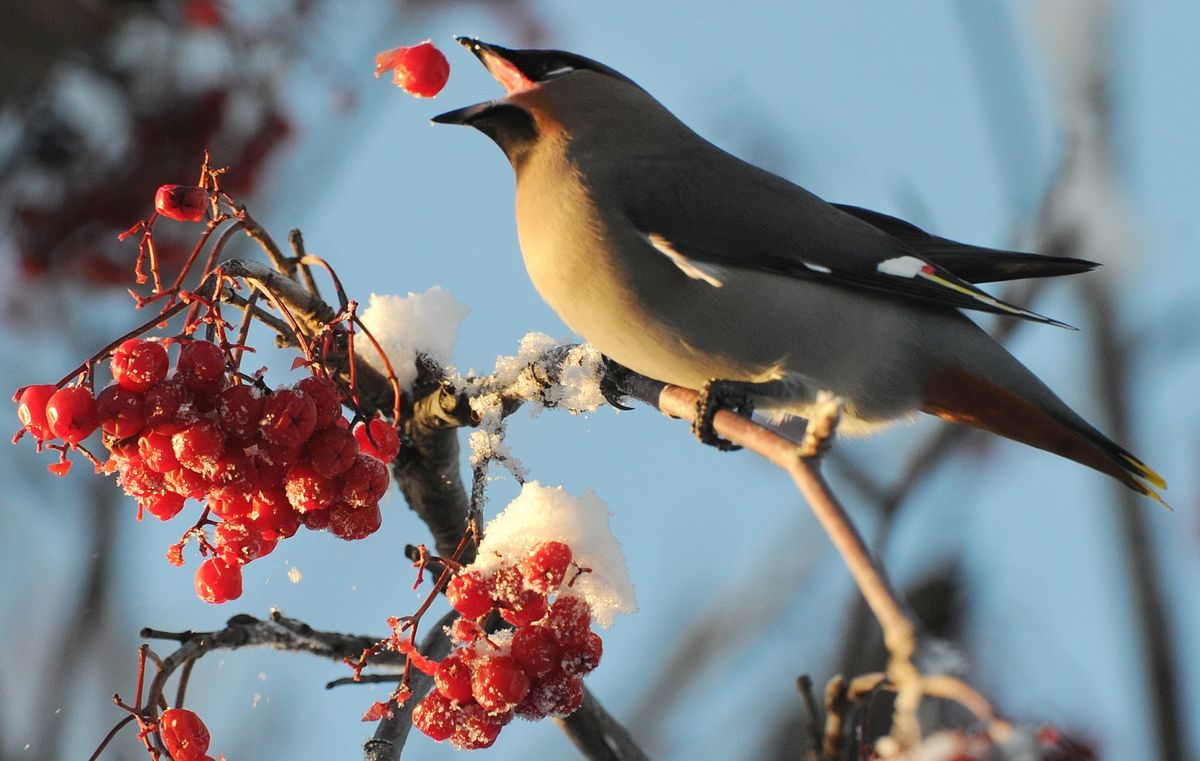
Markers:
716,211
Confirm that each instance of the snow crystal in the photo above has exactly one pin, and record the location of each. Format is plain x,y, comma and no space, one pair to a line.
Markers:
425,323
543,513
487,441
578,389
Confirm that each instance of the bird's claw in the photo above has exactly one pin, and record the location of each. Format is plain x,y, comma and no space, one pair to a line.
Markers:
610,383
715,396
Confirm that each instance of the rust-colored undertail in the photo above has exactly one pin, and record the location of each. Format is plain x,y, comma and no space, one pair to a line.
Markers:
964,397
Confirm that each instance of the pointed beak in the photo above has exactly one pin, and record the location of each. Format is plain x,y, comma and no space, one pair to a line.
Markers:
462,115
498,61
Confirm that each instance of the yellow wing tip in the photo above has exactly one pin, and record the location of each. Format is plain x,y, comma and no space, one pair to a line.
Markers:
1145,471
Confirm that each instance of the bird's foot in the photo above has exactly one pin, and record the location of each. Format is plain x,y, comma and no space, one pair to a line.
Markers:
822,424
720,395
610,382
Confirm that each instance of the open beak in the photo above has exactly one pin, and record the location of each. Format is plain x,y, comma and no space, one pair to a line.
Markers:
500,64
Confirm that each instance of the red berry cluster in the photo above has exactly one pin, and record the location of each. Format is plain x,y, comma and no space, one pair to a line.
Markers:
535,673
184,735
265,462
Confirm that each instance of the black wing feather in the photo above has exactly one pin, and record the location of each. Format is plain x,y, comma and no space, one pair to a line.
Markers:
975,264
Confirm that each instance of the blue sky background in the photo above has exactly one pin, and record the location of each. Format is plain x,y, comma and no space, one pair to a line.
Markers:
869,103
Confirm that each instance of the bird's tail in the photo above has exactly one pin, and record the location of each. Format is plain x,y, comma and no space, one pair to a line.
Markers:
962,396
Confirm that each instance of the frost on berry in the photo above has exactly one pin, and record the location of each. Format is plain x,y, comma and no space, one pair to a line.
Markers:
505,585
168,407
31,409
138,364
546,566
331,451
71,414
164,505
420,70
468,594
582,655
476,728
352,522
233,470
498,683
272,514
201,367
569,618
189,483
273,460
308,490
183,203
198,446
436,716
528,606
229,503
239,408
237,541
119,412
378,438
536,650
326,398
183,734
157,452
453,679
365,482
218,581
138,480
557,694
289,418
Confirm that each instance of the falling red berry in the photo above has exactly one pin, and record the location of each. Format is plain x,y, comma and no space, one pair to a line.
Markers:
420,70
184,203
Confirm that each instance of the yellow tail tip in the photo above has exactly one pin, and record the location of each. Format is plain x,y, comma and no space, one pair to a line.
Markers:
1145,471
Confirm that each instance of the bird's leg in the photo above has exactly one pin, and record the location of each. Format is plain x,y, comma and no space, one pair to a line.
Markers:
716,395
821,425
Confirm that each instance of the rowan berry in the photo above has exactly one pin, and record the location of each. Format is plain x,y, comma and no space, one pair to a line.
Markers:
138,364
498,683
31,409
353,523
436,716
201,367
420,70
71,414
365,482
326,398
183,734
546,565
382,441
183,203
453,679
308,490
331,451
218,581
468,594
536,650
289,417
119,412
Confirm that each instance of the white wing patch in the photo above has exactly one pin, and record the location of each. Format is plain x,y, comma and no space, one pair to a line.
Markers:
901,266
709,273
817,268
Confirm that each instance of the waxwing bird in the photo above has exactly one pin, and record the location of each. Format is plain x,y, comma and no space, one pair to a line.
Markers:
689,265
